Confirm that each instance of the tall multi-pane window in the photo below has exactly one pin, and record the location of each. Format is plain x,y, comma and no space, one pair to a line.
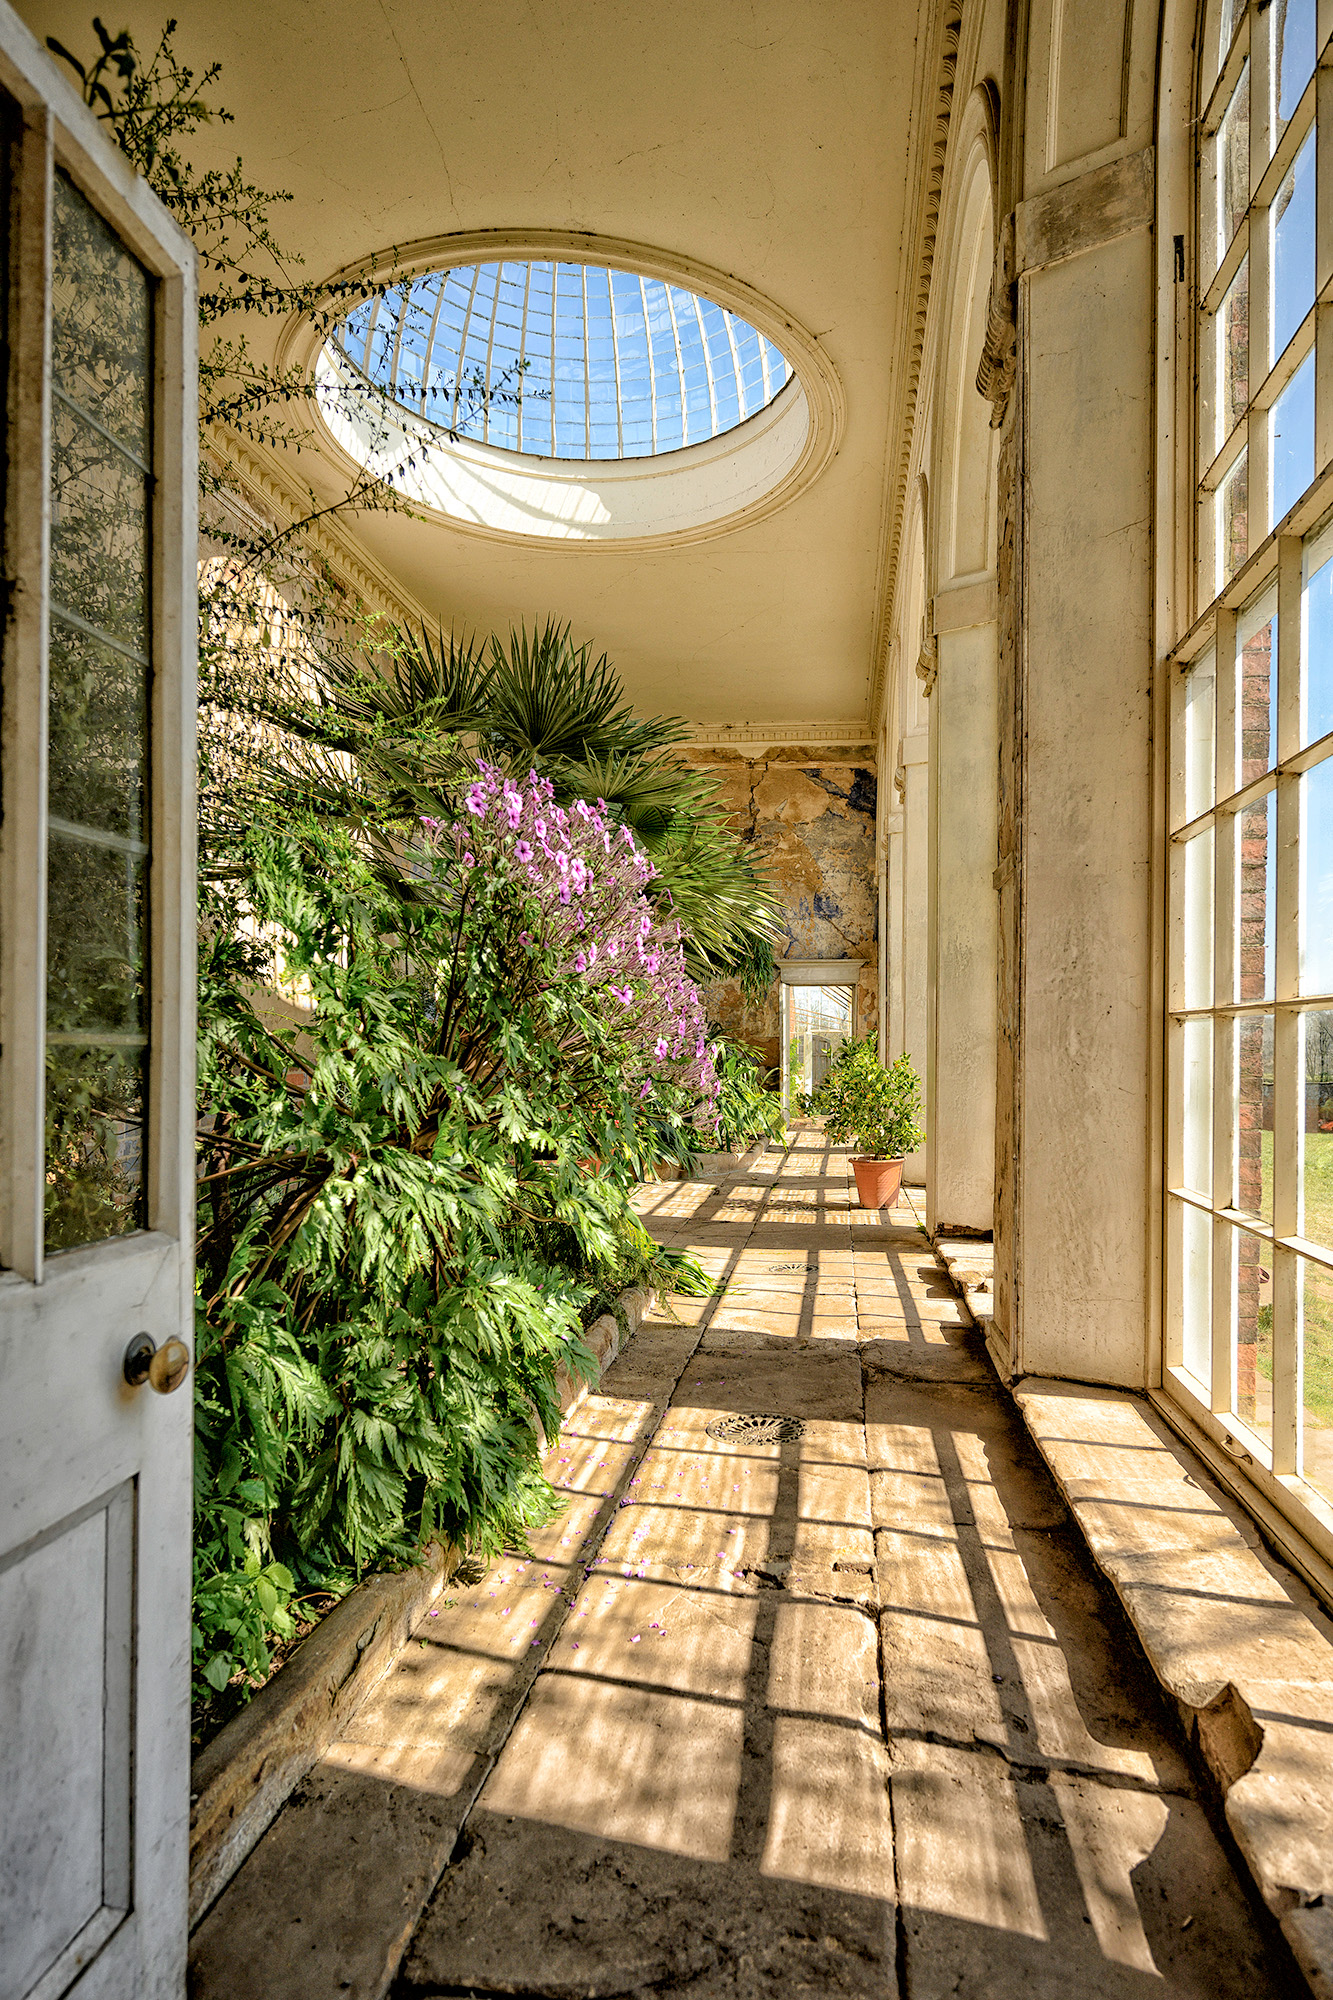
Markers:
1249,1320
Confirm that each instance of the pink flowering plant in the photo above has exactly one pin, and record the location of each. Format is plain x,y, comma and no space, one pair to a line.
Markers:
594,955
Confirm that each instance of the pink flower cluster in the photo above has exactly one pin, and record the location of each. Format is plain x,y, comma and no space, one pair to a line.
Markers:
587,876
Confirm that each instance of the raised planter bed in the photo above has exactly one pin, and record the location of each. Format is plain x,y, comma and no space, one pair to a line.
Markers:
718,1166
242,1778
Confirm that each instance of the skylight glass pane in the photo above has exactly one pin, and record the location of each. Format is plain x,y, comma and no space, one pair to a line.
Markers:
564,360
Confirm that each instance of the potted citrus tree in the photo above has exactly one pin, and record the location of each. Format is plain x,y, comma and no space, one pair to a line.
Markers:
865,1105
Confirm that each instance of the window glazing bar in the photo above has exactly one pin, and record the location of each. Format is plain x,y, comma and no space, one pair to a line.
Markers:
462,346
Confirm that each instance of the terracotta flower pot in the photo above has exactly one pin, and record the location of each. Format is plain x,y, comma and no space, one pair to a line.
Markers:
878,1182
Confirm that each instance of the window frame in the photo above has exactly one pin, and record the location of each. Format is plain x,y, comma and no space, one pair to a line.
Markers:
54,130
1265,1451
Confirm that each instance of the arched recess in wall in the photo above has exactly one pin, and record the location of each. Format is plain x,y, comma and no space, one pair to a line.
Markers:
964,540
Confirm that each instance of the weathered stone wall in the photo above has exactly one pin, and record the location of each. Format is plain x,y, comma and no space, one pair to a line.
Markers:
812,825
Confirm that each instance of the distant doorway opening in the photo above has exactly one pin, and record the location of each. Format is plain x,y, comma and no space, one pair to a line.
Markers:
818,1016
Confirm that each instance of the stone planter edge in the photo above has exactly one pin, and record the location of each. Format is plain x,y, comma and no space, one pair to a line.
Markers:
734,1163
240,1781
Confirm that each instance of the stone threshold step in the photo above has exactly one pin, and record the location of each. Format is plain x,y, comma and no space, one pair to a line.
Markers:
1237,1640
970,1262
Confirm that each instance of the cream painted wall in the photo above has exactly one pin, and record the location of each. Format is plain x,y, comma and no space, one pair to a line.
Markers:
1088,822
962,932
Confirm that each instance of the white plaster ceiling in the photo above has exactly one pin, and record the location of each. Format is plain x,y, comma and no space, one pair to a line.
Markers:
768,140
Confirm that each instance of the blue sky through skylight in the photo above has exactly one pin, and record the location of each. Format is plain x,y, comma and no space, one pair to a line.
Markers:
617,365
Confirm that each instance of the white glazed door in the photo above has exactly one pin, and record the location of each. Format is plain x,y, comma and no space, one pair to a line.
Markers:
96,1044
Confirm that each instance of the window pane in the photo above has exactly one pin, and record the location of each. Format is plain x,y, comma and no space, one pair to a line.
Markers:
1256,877
1316,1307
1254,1116
1233,354
1233,521
1200,722
1256,703
1196,1294
1293,248
1196,1044
1233,164
1293,58
1252,1283
97,858
1317,656
1316,958
1292,433
1316,1186
1197,870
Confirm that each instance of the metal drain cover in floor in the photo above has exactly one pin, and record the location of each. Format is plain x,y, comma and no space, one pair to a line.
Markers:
757,1429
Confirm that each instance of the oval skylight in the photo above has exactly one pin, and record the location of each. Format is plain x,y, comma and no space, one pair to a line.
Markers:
580,362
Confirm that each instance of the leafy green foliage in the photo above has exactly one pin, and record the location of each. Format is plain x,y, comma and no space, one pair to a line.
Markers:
745,1110
863,1104
398,1243
538,703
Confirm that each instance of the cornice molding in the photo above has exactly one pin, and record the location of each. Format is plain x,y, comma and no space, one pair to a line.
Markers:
750,737
261,476
930,175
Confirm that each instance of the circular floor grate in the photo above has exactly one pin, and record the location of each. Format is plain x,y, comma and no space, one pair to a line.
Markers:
757,1429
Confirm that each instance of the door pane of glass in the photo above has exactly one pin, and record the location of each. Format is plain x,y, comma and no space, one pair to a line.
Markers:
1254,1116
1293,248
1315,1295
1256,879
1292,441
1316,957
1316,1182
97,856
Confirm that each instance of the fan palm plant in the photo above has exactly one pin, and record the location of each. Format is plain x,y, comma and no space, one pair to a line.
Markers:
386,734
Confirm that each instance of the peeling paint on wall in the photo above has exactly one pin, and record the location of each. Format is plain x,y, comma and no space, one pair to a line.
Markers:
813,831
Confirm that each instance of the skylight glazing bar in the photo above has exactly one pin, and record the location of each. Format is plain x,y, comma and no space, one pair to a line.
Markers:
490,349
394,370
652,362
430,340
741,403
615,361
555,292
708,364
462,346
680,368
768,373
523,347
587,377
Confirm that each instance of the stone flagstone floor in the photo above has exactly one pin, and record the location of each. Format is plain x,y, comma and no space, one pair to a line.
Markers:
841,1710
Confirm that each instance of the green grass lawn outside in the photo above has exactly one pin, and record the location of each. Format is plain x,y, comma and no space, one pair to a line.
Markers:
1318,1283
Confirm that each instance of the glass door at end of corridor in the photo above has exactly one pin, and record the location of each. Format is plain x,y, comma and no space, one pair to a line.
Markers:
97,972
816,1021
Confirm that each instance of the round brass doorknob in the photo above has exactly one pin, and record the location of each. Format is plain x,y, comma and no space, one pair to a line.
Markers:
163,1368
169,1366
